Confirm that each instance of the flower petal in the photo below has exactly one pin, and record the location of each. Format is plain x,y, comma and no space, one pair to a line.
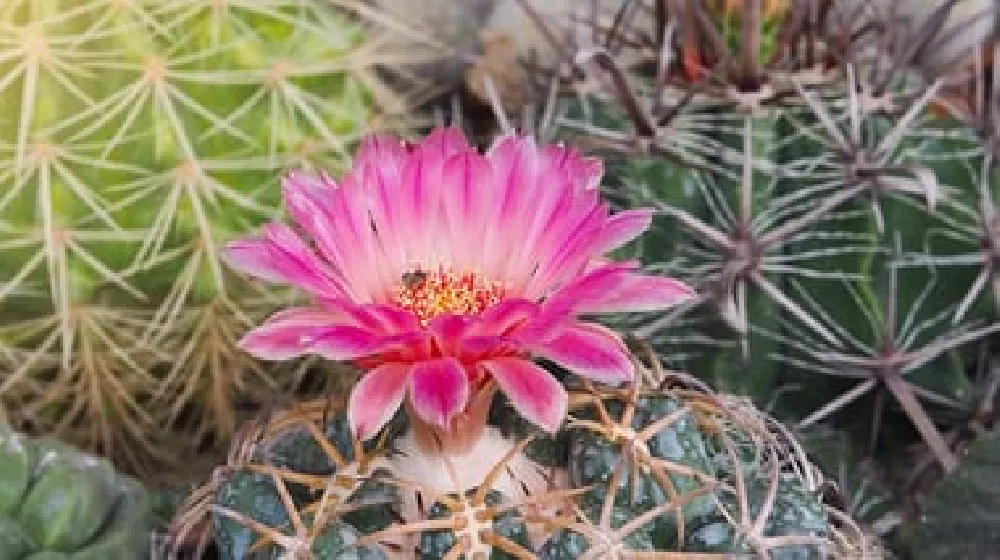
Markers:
449,330
622,228
533,392
288,333
584,172
335,219
382,151
281,256
343,343
408,347
439,389
505,315
442,142
467,176
593,285
475,348
591,351
376,398
378,317
638,293
617,287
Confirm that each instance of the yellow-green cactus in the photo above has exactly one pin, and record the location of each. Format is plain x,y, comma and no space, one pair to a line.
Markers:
135,138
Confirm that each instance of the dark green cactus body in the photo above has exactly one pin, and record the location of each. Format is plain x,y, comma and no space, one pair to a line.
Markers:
676,460
794,512
594,460
840,232
549,450
338,541
297,448
254,495
251,494
564,545
437,543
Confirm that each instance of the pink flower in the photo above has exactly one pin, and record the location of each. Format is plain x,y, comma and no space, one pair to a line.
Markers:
441,270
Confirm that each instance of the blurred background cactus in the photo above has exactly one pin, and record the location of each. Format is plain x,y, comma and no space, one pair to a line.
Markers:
825,174
56,502
137,137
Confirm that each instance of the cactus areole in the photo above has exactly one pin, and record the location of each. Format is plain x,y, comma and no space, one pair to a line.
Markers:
442,272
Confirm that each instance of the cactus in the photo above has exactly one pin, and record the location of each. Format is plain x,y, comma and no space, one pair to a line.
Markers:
56,502
458,441
136,139
836,221
676,469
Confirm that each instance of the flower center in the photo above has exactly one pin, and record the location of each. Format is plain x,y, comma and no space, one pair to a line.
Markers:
429,293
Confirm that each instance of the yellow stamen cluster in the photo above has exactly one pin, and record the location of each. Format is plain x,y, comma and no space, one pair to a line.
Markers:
429,293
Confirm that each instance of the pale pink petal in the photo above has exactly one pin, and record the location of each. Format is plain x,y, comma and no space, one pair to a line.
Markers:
443,142
591,285
618,287
550,213
622,228
307,202
419,203
376,179
591,351
376,398
638,293
516,188
468,177
514,321
385,211
383,152
421,192
543,326
394,319
281,256
344,343
288,333
515,163
348,218
439,389
532,391
504,316
278,339
566,251
584,172
385,319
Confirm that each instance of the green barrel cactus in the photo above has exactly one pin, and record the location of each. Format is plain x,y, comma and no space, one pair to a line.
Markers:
831,196
56,502
677,469
136,138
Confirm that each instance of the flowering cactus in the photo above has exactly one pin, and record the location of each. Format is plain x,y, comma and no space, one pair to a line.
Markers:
442,272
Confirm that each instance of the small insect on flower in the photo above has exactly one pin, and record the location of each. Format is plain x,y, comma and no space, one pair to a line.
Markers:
443,272
414,279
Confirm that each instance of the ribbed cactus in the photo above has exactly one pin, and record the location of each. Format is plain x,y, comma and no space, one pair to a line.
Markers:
136,138
828,193
631,472
56,502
